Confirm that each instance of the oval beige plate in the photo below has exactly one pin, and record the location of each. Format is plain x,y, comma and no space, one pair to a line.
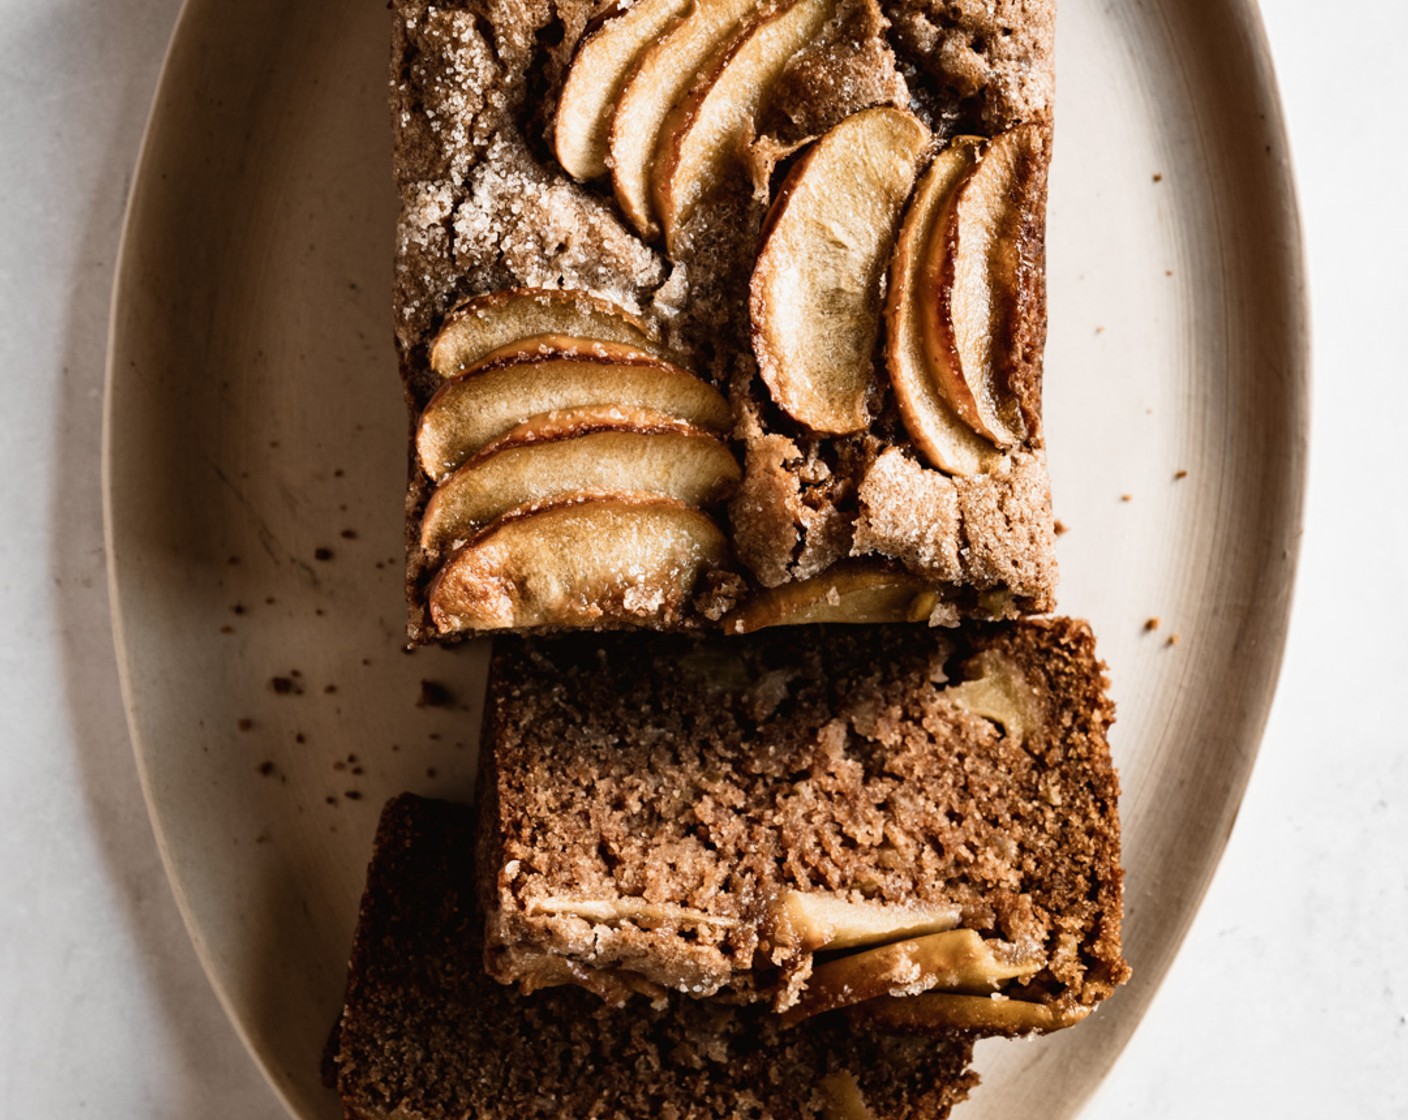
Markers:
256,451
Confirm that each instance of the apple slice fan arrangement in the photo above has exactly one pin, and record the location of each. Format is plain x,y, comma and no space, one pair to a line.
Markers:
721,328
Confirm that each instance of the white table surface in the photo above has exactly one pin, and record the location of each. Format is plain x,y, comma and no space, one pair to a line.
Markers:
1290,998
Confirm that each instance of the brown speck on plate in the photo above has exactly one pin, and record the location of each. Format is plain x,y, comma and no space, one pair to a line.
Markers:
245,724
323,554
266,768
1178,476
1152,624
285,686
1060,528
433,694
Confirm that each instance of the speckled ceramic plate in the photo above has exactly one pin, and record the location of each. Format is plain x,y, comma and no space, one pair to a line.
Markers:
256,449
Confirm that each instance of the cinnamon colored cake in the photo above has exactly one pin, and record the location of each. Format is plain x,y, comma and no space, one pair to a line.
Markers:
425,1035
722,312
918,825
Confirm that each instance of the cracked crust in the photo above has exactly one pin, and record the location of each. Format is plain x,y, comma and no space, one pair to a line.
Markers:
425,1035
484,207
717,776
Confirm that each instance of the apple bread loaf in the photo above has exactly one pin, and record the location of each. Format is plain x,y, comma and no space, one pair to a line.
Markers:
919,825
425,1035
722,312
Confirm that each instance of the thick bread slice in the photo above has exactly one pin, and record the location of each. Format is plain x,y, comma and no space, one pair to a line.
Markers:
708,816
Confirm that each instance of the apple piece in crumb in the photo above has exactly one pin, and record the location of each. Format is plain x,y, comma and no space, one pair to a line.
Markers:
940,434
599,69
997,690
805,921
815,292
554,456
628,560
700,139
479,326
844,1099
850,593
973,273
950,1011
470,411
662,76
957,960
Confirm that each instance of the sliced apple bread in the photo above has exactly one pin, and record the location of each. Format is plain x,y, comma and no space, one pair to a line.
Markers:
825,818
752,288
425,1035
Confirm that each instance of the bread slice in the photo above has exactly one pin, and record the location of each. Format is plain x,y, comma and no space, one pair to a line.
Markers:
425,1035
739,818
490,219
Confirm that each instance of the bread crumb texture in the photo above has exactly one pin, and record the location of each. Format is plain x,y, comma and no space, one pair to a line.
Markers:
711,777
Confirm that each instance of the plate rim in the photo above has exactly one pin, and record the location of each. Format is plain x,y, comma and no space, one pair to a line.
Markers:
1256,51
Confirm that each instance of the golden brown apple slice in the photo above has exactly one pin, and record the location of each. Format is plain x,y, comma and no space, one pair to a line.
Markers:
564,346
973,269
946,1011
700,138
661,78
545,460
815,293
805,921
485,323
956,960
599,69
850,593
945,440
623,561
472,410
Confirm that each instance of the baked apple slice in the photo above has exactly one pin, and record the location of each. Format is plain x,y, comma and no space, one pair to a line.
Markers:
937,430
483,324
661,78
564,346
956,960
470,411
815,292
948,1011
852,593
554,456
805,921
599,69
699,141
620,561
973,274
